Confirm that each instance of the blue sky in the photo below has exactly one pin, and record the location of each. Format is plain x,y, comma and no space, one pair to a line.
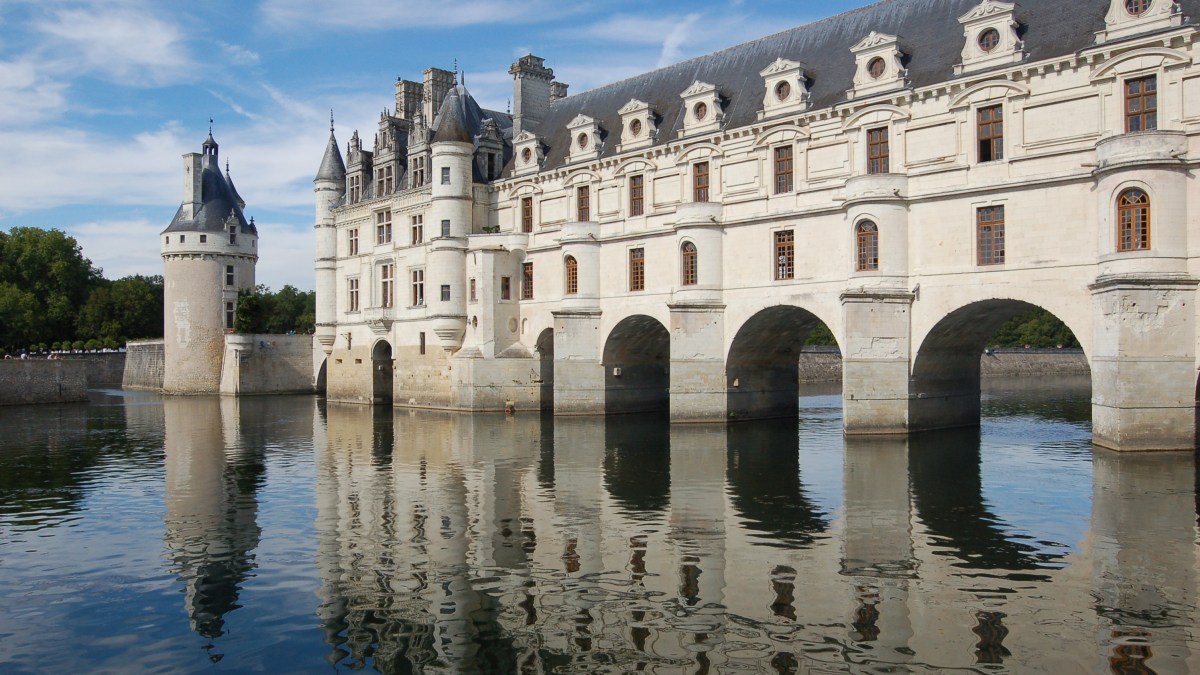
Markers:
100,98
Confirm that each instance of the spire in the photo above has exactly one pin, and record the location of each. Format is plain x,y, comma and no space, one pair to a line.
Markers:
332,167
210,145
229,179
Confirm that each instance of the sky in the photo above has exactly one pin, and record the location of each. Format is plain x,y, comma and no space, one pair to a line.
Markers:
99,99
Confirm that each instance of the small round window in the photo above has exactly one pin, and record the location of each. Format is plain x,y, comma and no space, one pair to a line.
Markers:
526,155
635,128
989,39
700,111
1137,7
783,91
876,67
583,140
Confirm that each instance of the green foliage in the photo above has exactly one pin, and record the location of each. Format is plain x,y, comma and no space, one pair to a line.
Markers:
130,307
1036,328
821,336
261,311
44,279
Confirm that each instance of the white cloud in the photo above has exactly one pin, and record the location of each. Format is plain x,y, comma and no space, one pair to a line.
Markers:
121,247
673,46
124,43
307,14
36,98
239,55
285,255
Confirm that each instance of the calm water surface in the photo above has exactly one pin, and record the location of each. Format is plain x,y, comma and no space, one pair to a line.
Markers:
283,534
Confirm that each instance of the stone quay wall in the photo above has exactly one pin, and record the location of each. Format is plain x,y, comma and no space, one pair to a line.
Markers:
267,364
29,381
103,369
144,366
824,364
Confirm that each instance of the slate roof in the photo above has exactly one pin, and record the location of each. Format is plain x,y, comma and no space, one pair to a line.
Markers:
928,31
332,166
218,201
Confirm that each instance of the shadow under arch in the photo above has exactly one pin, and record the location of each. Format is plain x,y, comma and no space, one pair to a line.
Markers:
381,373
762,371
944,391
637,366
545,352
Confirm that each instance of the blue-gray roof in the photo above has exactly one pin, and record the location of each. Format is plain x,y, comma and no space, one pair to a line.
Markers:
928,31
218,203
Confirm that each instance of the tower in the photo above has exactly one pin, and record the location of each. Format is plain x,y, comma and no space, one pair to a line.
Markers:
209,252
330,187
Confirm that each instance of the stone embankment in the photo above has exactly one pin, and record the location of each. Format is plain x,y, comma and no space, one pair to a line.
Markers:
143,366
824,364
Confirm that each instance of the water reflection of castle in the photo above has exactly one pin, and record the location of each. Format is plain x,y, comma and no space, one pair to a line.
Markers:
452,543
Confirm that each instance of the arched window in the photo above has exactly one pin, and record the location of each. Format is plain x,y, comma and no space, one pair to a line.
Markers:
688,260
572,269
867,237
1133,220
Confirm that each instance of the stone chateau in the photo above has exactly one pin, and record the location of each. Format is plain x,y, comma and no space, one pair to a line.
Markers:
911,174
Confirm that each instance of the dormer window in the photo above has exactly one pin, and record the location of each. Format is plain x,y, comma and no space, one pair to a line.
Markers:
528,151
700,112
783,91
583,141
637,125
585,134
703,109
526,155
880,66
1137,7
876,68
989,39
786,88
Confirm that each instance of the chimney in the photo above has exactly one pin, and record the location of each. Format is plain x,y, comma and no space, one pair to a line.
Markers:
532,87
558,90
408,99
437,83
192,190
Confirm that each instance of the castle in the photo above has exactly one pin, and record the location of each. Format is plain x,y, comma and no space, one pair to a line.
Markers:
911,174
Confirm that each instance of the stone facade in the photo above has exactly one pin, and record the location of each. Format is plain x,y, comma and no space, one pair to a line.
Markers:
911,174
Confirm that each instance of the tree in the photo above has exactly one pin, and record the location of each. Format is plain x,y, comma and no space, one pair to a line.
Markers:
48,266
1036,328
261,311
130,307
18,316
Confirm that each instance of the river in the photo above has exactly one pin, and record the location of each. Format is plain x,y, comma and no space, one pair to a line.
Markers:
285,534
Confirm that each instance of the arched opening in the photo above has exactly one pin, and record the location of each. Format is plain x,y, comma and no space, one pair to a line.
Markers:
637,367
762,372
545,351
944,389
381,373
321,383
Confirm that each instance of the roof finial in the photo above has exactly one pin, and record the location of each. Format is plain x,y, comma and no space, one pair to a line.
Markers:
331,120
210,123
464,77
226,163
456,66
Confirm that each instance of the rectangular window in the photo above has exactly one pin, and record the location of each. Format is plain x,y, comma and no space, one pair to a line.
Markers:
583,203
418,288
527,281
384,182
352,240
989,228
527,214
353,189
204,239
233,235
418,229
700,182
229,315
506,288
878,151
352,286
783,169
383,227
637,269
387,288
445,175
445,228
229,275
474,296
182,238
990,130
421,342
637,195
785,255
445,292
418,171
1141,104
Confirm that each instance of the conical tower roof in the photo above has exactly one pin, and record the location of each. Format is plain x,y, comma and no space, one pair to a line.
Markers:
332,166
459,118
229,179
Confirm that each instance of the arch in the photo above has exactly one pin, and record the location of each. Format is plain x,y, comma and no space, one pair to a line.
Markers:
1006,90
788,133
634,164
637,366
944,384
545,352
1146,59
525,188
875,114
762,369
866,246
381,373
1133,220
698,152
689,267
581,177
